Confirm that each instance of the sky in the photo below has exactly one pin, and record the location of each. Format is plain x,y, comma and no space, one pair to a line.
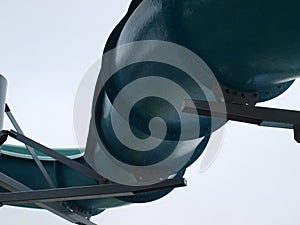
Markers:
46,47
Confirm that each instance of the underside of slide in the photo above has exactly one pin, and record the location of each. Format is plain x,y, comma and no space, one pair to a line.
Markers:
250,48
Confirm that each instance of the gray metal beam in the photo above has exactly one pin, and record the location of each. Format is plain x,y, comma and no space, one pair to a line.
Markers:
30,150
59,157
57,208
270,117
85,192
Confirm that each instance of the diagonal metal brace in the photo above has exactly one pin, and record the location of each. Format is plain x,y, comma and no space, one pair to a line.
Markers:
30,150
59,157
55,207
262,116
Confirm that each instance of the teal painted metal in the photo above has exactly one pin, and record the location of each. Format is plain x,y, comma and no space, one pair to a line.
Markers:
250,45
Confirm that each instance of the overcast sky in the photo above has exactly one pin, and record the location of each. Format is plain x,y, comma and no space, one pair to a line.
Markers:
45,49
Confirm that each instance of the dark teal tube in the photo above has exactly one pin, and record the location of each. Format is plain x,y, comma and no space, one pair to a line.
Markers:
250,46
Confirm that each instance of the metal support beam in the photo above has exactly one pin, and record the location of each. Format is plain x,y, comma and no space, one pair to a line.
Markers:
3,137
59,157
55,207
86,192
30,150
52,199
269,117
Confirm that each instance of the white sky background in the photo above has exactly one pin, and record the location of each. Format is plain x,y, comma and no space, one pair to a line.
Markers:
45,49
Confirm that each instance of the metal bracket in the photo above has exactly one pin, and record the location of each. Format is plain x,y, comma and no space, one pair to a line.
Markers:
262,116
